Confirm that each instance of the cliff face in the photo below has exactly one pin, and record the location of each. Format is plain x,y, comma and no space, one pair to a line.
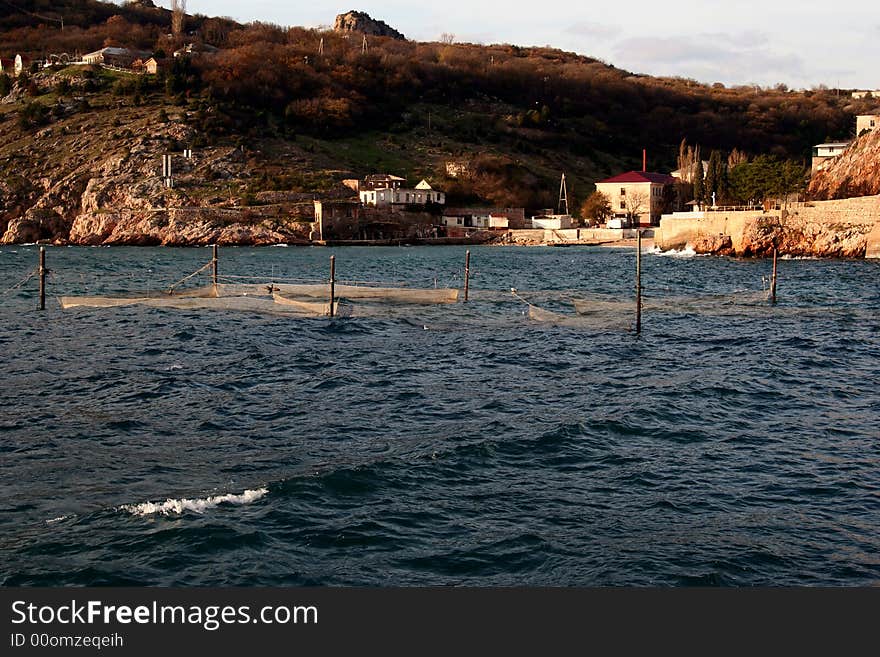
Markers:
358,21
854,173
95,177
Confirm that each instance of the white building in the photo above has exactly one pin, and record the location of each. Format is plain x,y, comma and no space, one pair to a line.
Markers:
824,152
552,221
866,94
638,193
383,191
484,218
866,122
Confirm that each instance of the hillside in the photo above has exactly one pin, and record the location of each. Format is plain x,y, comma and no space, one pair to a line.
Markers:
854,173
298,118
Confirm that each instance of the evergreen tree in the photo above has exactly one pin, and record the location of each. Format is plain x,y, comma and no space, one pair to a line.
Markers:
715,178
699,187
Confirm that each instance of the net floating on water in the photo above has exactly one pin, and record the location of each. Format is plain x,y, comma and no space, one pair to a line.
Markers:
389,294
274,298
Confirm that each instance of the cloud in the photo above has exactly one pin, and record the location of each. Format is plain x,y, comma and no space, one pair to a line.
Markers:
590,30
712,57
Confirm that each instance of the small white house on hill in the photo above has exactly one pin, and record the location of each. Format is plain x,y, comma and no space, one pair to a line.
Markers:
385,190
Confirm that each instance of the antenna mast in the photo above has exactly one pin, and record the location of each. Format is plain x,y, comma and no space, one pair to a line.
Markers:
563,196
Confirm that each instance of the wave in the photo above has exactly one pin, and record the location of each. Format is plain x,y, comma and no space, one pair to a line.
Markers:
52,521
686,252
197,505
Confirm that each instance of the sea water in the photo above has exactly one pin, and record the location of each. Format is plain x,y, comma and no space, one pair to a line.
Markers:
463,444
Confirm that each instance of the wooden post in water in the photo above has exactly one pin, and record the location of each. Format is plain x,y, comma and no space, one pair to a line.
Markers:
214,268
773,278
42,278
467,274
332,283
638,281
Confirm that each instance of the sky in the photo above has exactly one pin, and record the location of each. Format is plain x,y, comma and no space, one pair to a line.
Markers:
802,44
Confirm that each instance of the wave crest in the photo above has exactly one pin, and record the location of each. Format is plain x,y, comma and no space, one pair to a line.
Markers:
197,505
686,252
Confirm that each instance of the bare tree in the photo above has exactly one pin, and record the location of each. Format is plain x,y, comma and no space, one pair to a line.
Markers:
178,18
636,203
447,38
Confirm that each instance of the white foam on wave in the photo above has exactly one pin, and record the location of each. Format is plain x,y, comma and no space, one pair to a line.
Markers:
52,521
197,505
686,252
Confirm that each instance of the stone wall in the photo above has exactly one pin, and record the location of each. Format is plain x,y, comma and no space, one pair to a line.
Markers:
679,232
536,236
841,228
863,210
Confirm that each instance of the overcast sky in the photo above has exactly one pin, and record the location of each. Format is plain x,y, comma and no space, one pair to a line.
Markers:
802,44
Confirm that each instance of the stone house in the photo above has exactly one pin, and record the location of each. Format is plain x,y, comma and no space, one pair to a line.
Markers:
337,219
637,195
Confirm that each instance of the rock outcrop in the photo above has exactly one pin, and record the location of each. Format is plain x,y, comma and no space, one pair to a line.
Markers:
855,172
358,21
103,185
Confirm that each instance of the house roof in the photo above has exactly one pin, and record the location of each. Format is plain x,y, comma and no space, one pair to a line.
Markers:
834,144
424,185
381,177
641,177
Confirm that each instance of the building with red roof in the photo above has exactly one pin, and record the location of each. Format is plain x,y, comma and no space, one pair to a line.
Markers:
639,197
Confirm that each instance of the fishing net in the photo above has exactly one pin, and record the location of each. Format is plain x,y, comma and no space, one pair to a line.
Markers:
374,293
309,300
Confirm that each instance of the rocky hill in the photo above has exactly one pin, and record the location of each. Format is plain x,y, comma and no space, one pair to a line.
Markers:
854,173
274,122
361,22
93,175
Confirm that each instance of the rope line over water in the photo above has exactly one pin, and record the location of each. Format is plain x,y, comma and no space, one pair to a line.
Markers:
186,278
20,283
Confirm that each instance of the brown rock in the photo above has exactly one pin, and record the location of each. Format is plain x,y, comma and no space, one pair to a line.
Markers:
358,21
856,172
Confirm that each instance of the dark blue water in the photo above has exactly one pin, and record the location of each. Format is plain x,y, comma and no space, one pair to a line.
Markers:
730,444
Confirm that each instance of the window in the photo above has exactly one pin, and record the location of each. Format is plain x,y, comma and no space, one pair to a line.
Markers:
623,205
623,191
873,123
